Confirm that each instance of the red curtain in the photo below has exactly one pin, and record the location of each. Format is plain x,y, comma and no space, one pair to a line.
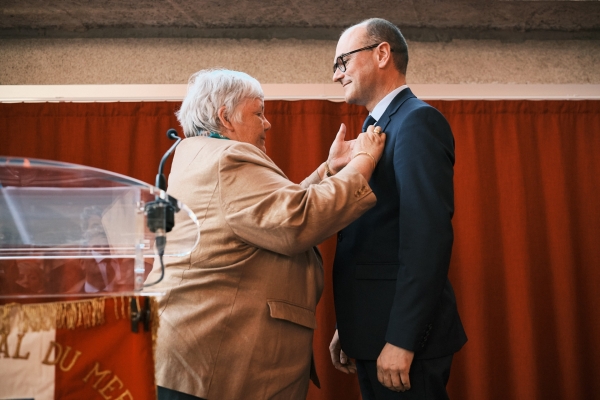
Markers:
526,257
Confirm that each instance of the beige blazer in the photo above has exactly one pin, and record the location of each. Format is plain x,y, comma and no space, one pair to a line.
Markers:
238,316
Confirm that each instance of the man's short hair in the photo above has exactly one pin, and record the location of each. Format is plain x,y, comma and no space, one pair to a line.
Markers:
379,30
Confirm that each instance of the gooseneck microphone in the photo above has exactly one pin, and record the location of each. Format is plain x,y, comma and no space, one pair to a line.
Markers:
161,182
160,213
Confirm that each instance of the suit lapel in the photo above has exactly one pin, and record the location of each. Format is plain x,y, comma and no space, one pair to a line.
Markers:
393,107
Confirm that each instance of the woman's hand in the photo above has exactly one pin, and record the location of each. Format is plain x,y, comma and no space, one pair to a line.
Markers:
363,153
367,151
371,142
340,152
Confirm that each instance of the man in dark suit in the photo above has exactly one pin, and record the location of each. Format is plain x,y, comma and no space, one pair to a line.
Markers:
396,310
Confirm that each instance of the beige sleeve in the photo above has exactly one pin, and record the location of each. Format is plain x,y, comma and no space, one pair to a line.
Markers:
312,179
266,210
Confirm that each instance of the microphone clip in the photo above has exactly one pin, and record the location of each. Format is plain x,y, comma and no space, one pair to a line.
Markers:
160,216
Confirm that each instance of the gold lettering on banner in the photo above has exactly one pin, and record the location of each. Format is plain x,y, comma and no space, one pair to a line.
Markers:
96,372
109,387
18,349
60,356
4,346
62,359
57,354
125,395
113,384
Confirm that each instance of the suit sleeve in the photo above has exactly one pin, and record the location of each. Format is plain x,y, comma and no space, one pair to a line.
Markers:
266,210
423,164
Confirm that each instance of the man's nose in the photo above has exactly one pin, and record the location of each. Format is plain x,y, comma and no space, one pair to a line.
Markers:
337,75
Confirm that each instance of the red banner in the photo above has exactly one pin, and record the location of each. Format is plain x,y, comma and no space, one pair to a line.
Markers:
82,349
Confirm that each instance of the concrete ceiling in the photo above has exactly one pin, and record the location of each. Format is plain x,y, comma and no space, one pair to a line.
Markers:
421,20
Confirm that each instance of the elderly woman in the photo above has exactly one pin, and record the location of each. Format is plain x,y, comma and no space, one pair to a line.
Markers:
238,317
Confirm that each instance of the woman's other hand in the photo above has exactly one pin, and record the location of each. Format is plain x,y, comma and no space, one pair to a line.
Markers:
372,142
340,152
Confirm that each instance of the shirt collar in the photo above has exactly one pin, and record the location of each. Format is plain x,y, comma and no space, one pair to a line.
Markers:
385,102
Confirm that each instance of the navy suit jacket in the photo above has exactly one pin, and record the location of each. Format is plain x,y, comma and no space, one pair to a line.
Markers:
390,272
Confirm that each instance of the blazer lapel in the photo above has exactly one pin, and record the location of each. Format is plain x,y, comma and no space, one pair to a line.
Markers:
393,107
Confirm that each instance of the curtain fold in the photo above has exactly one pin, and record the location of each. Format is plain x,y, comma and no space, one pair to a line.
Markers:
526,256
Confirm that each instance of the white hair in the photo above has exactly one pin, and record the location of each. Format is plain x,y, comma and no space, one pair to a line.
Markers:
209,90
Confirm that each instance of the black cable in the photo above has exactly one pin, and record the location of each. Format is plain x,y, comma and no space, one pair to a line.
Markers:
160,246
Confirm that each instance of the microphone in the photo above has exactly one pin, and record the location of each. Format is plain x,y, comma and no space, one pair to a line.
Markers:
161,182
160,213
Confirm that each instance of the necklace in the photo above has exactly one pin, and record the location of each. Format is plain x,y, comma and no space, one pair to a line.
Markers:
217,136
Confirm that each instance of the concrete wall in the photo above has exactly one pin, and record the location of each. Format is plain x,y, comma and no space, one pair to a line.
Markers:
276,61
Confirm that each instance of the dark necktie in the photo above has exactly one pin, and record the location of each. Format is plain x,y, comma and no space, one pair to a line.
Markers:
369,121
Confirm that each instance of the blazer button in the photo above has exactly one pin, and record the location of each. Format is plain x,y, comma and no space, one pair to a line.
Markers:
340,236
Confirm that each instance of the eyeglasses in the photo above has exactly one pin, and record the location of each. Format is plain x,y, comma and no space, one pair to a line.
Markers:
341,63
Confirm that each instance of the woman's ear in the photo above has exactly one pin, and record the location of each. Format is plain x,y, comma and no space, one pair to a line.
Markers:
222,113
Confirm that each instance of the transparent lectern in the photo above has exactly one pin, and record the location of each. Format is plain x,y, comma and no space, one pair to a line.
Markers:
78,318
76,230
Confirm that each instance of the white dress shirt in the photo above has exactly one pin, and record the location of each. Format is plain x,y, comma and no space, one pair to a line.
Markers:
385,102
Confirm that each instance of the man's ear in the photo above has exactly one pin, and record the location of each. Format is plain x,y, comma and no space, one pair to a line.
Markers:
224,118
384,54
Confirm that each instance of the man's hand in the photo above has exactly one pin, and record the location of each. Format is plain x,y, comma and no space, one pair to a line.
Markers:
339,359
393,366
340,152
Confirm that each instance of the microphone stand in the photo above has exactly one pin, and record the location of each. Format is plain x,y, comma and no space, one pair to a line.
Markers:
160,212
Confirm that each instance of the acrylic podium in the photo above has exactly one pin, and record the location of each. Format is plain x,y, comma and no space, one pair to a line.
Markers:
78,319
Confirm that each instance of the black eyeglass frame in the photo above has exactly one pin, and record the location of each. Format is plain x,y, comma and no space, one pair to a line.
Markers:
340,59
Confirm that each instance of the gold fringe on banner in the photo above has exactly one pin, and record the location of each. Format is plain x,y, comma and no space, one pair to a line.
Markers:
46,316
5,320
86,313
71,314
